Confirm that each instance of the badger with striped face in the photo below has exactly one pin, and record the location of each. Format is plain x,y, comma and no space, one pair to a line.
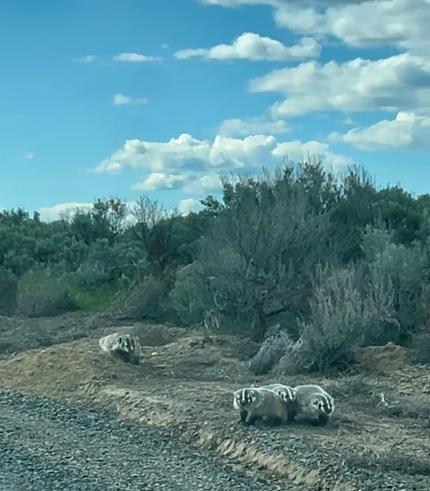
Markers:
122,346
287,394
313,403
255,403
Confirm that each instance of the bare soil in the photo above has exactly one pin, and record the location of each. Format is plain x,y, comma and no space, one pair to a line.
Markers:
379,438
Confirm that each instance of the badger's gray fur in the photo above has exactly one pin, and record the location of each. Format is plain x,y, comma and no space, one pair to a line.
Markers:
260,403
313,403
122,346
287,394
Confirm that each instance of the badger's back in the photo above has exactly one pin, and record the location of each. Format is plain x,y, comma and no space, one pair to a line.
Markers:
107,343
271,405
287,394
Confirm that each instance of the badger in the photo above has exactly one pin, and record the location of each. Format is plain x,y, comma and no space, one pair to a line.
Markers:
287,394
313,403
122,346
284,391
259,403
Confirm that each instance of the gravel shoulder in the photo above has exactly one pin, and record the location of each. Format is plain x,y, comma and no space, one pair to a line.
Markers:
46,445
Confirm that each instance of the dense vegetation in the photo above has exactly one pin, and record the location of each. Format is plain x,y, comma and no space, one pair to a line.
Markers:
334,262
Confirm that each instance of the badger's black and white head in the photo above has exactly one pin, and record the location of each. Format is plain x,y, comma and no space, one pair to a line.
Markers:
244,397
125,344
324,404
287,394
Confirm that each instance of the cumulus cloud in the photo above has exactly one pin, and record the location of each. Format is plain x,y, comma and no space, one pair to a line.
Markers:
134,58
252,126
400,82
85,59
29,156
62,211
251,46
186,152
195,166
298,151
407,130
190,182
187,205
123,100
276,3
159,181
208,183
400,23
235,3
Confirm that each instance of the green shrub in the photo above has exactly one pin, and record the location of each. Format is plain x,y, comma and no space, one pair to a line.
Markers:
406,267
40,293
421,348
345,315
144,300
271,351
190,298
8,291
95,300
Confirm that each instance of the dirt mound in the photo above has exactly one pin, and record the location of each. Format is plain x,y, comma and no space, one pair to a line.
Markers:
385,358
19,334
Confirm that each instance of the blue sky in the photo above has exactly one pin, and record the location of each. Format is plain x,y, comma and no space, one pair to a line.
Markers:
102,97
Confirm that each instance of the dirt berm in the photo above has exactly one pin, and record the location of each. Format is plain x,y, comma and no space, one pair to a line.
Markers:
379,438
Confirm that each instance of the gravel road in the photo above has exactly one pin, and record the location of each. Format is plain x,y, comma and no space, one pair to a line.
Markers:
47,445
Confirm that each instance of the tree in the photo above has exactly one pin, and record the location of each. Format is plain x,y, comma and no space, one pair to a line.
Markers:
154,231
260,253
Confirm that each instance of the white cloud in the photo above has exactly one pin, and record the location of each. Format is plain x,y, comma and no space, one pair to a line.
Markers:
134,58
203,185
195,166
348,121
275,3
29,156
190,182
123,100
400,23
396,83
407,130
159,181
252,126
120,100
297,151
66,211
85,59
187,205
232,3
251,46
62,211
